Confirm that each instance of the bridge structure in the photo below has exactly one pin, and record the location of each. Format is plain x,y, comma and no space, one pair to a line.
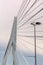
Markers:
31,11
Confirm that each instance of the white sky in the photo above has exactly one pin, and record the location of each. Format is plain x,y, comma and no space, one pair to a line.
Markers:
8,9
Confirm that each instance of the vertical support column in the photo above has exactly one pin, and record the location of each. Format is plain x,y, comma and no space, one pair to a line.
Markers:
14,31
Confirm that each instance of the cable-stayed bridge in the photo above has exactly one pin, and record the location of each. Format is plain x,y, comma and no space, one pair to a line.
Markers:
22,34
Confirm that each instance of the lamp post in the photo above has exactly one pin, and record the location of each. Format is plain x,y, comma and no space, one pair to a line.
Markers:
34,24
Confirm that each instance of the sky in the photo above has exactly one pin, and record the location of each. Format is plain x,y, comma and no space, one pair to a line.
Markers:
8,9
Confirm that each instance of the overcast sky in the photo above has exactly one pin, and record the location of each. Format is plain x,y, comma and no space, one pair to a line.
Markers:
8,9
